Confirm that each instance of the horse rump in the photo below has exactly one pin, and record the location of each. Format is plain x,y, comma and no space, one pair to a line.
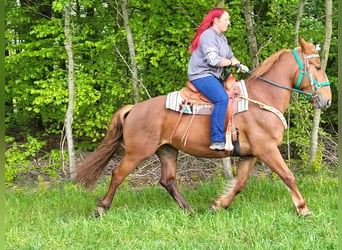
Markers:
88,172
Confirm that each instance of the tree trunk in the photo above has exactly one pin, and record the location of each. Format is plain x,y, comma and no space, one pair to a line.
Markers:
324,60
70,110
327,35
220,4
297,26
299,17
131,51
252,41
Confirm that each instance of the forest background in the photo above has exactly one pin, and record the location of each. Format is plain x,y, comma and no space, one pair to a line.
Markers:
36,65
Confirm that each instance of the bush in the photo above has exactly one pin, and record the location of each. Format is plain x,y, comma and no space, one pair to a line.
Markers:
21,156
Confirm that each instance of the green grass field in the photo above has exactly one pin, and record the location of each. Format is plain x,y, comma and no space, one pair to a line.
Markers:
60,216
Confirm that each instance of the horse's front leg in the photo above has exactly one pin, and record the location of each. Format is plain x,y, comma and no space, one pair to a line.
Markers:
276,163
235,186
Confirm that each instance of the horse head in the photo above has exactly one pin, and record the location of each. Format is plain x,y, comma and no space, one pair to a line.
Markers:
312,79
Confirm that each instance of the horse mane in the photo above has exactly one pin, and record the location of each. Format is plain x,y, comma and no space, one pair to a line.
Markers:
268,63
308,48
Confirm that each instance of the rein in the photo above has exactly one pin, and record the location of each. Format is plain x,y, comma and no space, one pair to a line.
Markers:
303,73
281,86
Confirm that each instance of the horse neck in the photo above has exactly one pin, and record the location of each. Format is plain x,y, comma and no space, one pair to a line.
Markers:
282,73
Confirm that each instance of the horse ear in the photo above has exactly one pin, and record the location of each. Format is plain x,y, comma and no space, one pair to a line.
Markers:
302,42
308,47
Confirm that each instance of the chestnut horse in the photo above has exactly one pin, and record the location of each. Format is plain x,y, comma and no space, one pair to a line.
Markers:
146,127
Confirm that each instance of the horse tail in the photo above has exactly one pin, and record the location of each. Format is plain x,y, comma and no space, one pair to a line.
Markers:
88,172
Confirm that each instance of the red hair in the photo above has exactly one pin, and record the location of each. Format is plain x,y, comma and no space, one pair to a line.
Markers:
207,22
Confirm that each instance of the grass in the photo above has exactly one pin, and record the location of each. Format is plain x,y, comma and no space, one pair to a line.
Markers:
60,216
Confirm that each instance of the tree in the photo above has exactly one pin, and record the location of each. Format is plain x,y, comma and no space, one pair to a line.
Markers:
324,60
131,48
299,17
252,41
70,111
296,32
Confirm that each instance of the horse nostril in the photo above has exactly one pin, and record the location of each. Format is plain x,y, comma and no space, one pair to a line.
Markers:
328,103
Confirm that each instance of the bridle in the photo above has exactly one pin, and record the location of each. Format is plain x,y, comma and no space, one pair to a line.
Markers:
303,72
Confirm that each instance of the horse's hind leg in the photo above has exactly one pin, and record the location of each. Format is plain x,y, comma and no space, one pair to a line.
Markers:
126,166
168,160
235,186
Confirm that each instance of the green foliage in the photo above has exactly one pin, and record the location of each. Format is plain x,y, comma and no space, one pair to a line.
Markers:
312,166
27,156
162,31
36,88
19,157
299,136
52,163
300,121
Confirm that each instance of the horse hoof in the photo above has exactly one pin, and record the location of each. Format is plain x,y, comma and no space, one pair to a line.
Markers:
215,207
212,210
304,212
99,211
191,212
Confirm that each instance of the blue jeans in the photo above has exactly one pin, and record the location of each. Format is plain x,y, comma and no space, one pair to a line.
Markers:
212,88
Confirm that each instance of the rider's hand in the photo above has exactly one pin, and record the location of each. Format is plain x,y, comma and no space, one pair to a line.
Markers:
242,68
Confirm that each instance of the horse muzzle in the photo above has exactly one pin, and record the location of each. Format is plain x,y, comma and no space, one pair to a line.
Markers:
320,102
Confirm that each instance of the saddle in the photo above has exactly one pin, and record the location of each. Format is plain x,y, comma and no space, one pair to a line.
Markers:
192,96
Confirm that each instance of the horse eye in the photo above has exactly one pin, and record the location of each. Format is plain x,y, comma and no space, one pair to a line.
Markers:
318,67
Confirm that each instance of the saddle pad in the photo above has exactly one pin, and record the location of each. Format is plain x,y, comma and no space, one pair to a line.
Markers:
242,104
175,102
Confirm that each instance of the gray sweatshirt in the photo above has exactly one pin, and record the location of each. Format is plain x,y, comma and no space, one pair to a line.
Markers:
205,60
